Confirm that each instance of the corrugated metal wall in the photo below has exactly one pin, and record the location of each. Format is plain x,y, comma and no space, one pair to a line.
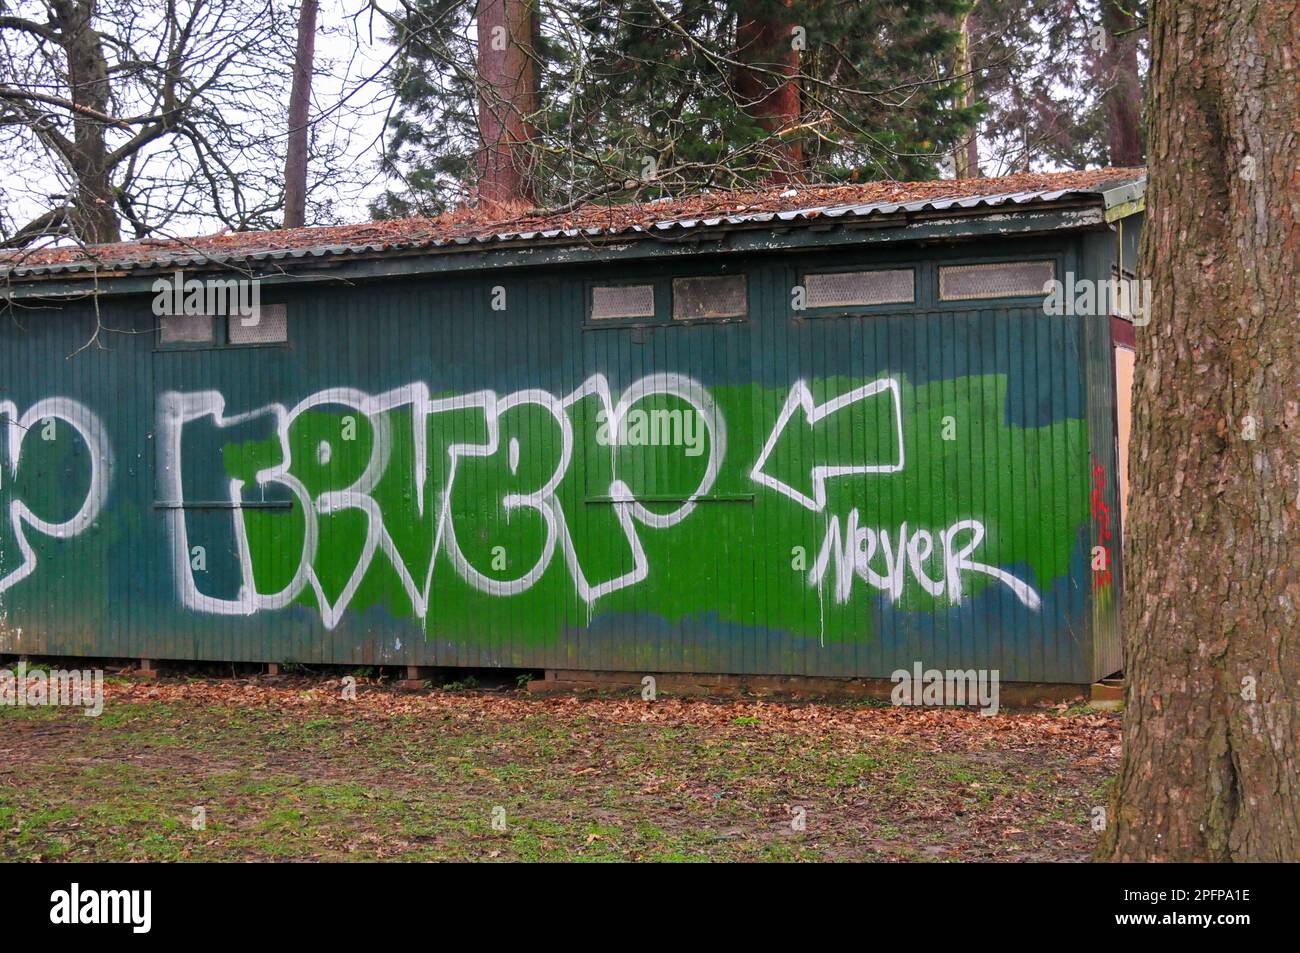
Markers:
1107,579
423,479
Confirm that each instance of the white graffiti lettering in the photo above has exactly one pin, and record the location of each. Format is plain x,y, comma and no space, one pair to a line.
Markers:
177,410
850,549
91,430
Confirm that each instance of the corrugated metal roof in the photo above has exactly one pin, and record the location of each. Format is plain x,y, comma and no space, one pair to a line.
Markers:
789,207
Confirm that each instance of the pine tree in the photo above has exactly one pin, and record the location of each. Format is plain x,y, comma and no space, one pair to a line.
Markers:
674,96
1061,88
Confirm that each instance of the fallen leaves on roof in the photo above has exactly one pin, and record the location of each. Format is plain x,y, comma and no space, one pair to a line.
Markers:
486,222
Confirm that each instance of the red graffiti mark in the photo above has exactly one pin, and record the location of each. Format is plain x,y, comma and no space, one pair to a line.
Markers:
1101,515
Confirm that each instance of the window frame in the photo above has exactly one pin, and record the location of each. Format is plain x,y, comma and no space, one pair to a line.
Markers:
244,344
589,296
1017,300
663,292
861,310
162,345
744,278
220,340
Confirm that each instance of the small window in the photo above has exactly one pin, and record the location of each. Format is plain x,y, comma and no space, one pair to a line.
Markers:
622,301
840,289
185,329
266,325
724,296
997,280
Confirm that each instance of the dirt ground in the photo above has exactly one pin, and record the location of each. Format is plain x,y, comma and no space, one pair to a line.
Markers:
287,769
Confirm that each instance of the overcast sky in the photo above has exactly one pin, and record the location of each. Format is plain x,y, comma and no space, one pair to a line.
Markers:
350,100
351,45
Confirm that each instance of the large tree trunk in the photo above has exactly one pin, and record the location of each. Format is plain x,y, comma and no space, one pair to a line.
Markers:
295,163
1211,766
1123,94
507,79
967,158
767,85
94,216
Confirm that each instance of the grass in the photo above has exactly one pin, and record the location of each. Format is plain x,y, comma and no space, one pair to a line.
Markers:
542,781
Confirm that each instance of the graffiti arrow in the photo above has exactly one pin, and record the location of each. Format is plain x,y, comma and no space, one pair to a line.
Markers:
801,398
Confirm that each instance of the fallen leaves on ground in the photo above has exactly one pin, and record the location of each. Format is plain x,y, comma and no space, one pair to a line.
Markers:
1086,735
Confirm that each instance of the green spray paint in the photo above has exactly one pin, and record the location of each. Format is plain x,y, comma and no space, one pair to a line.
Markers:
743,551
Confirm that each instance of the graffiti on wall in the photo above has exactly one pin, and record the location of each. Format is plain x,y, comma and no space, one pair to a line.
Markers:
1102,574
849,548
177,411
41,421
438,505
408,445
801,398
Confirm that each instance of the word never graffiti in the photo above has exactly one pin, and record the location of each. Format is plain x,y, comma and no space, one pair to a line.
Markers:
178,410
850,550
42,416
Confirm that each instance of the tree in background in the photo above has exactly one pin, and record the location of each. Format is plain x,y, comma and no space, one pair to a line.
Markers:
134,113
966,158
165,117
1060,81
506,79
675,96
1211,765
433,135
1118,70
766,80
295,163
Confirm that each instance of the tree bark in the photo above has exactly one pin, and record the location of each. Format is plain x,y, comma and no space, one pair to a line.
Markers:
94,200
1211,764
967,158
768,86
295,163
507,79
